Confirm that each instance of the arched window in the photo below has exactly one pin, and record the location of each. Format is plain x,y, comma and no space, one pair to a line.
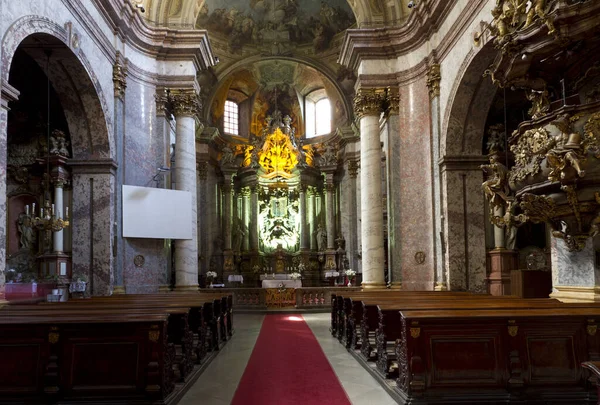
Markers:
231,118
317,110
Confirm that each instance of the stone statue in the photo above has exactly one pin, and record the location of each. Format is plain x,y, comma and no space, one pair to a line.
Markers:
321,234
59,143
27,235
496,187
238,236
227,158
508,17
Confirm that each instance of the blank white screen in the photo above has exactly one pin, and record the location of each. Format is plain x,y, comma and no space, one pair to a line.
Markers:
156,213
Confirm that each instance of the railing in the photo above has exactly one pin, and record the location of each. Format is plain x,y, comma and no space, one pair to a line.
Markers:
306,297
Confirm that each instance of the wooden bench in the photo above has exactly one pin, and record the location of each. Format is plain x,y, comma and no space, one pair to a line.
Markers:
497,356
74,358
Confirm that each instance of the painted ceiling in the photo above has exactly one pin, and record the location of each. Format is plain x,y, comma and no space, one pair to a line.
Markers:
274,23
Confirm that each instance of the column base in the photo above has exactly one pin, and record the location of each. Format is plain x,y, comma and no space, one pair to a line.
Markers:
576,294
373,285
165,288
502,262
396,285
186,288
440,286
119,290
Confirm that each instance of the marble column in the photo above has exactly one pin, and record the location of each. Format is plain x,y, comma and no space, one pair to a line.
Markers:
246,218
330,211
203,224
186,108
8,94
312,219
253,228
352,247
574,274
368,108
57,237
393,174
304,240
227,210
433,84
499,239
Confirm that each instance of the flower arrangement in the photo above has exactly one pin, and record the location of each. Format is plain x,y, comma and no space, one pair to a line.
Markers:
211,275
295,275
350,274
301,267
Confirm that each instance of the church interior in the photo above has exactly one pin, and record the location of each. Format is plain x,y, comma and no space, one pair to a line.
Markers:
399,201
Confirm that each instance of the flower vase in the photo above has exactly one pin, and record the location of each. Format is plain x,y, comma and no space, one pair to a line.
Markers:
349,282
210,285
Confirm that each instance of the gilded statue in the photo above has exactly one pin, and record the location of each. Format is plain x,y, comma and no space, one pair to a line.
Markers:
539,9
496,187
26,231
565,152
508,15
540,103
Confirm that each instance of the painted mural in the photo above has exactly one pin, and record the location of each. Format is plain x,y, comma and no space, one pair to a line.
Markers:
275,23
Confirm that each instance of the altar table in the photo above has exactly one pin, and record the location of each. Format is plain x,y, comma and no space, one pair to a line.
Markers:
286,283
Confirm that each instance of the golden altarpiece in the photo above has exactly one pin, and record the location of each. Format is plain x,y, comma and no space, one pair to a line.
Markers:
279,205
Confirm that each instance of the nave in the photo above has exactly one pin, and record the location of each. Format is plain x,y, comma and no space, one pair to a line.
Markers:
218,383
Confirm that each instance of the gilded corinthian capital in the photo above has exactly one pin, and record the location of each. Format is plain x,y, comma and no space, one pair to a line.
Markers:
185,102
369,102
120,76
433,80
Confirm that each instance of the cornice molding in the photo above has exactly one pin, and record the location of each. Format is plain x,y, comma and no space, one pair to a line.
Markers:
389,43
157,42
462,162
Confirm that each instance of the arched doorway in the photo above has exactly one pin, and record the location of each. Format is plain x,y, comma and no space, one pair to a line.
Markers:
78,109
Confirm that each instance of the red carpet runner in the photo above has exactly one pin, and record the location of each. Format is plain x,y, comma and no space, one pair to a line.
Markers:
288,367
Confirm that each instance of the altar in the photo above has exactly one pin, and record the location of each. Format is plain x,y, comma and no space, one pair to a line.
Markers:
277,283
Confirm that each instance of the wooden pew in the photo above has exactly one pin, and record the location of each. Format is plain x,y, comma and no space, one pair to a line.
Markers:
497,356
116,358
389,328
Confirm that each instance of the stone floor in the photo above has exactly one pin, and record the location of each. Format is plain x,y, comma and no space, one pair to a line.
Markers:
217,384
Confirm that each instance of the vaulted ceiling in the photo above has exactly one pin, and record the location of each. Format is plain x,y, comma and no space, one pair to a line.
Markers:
276,32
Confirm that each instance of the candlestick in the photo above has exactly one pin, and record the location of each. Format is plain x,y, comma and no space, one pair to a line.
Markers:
33,210
27,209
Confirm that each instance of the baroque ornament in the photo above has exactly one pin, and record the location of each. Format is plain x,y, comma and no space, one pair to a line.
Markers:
119,76
529,152
185,102
433,80
369,102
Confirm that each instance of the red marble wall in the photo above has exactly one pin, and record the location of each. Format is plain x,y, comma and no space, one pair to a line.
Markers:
415,205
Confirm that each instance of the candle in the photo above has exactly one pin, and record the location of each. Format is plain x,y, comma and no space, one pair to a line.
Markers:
33,210
27,209
52,209
42,212
67,212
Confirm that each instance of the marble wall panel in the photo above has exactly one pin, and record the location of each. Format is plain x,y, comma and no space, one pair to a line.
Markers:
3,206
464,230
92,227
148,277
413,206
573,268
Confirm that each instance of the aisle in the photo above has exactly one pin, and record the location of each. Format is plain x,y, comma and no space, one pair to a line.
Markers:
289,367
218,383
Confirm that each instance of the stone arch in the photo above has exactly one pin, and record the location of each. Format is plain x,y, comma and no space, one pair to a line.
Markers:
329,75
75,82
89,122
461,149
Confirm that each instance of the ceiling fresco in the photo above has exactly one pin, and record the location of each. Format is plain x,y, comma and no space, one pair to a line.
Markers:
275,23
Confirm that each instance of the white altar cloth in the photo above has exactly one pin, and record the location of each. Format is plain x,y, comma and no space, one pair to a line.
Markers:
286,283
235,278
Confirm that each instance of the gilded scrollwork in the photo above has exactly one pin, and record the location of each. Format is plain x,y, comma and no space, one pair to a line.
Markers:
538,208
540,103
511,222
509,16
529,152
591,136
434,78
